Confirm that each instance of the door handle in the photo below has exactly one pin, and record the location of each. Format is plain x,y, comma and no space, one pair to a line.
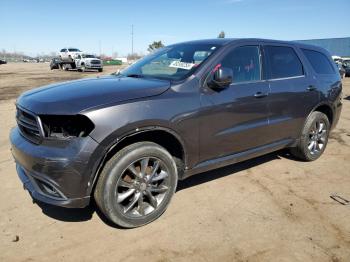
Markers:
311,88
260,94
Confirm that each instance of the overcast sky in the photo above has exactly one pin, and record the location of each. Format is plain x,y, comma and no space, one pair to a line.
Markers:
43,26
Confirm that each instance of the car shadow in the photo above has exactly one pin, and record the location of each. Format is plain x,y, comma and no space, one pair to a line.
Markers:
230,170
347,98
67,214
85,214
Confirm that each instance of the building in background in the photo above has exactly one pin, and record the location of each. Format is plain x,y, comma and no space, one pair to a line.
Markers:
123,59
336,46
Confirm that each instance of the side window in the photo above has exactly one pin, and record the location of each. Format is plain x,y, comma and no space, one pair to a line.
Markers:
319,62
282,62
63,50
244,62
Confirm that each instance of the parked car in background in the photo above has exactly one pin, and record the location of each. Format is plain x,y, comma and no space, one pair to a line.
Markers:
341,69
88,62
69,54
346,66
2,62
337,59
55,63
126,139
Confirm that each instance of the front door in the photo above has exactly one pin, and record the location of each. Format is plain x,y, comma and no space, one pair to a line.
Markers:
235,119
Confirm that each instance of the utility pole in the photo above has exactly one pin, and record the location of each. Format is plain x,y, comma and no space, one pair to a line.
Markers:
99,46
132,39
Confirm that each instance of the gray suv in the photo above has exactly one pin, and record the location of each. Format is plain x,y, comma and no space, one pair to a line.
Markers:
126,139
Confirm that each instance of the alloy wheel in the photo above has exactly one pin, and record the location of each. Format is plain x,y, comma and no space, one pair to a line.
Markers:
317,137
142,187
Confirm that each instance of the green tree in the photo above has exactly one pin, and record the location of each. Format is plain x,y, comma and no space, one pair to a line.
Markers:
155,45
221,35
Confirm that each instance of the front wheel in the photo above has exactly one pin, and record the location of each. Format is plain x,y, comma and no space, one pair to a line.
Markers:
136,185
314,137
64,67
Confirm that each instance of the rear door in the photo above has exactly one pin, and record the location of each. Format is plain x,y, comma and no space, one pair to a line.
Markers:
235,119
325,71
293,91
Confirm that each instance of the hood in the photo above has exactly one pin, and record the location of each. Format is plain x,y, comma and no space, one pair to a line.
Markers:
90,59
76,96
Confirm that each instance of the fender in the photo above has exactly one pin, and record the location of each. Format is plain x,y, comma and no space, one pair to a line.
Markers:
118,139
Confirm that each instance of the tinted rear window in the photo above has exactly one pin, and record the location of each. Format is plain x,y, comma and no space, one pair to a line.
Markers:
283,62
319,62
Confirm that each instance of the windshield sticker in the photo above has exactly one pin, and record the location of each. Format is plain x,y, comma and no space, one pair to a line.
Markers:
182,65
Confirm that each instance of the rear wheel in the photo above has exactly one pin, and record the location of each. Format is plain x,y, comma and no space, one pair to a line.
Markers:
136,185
314,137
100,70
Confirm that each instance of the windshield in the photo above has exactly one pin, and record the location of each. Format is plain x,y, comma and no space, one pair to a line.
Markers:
74,50
88,56
172,63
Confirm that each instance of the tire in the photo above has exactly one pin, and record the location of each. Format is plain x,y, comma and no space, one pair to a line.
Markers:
64,67
314,137
82,68
100,70
120,185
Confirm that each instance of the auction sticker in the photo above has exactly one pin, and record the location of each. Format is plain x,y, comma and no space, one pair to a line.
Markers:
182,65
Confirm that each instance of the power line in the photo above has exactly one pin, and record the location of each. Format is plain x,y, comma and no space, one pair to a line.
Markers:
132,39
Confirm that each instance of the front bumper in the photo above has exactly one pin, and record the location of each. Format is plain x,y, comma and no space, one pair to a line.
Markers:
55,172
94,66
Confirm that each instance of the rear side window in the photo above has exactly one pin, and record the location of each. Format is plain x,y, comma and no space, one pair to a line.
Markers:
320,63
282,62
244,62
63,50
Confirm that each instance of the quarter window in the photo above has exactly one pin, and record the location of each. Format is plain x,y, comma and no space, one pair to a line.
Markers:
282,62
319,62
244,62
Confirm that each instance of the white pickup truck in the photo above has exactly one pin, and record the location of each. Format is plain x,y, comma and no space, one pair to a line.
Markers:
88,62
69,54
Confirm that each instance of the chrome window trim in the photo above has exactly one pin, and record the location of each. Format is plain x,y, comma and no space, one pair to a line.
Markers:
286,78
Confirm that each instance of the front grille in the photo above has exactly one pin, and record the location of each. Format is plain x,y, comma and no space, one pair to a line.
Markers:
29,126
95,62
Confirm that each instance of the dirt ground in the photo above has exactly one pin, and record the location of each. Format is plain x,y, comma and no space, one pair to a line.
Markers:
271,208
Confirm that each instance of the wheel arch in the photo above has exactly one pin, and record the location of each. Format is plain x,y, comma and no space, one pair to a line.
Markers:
322,107
162,136
327,110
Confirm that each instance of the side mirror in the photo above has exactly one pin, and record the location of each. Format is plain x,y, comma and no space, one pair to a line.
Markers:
222,78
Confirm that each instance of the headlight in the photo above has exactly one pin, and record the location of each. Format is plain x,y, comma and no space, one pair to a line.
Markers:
63,127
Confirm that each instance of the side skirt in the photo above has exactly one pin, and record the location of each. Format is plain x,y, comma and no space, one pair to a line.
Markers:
237,157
